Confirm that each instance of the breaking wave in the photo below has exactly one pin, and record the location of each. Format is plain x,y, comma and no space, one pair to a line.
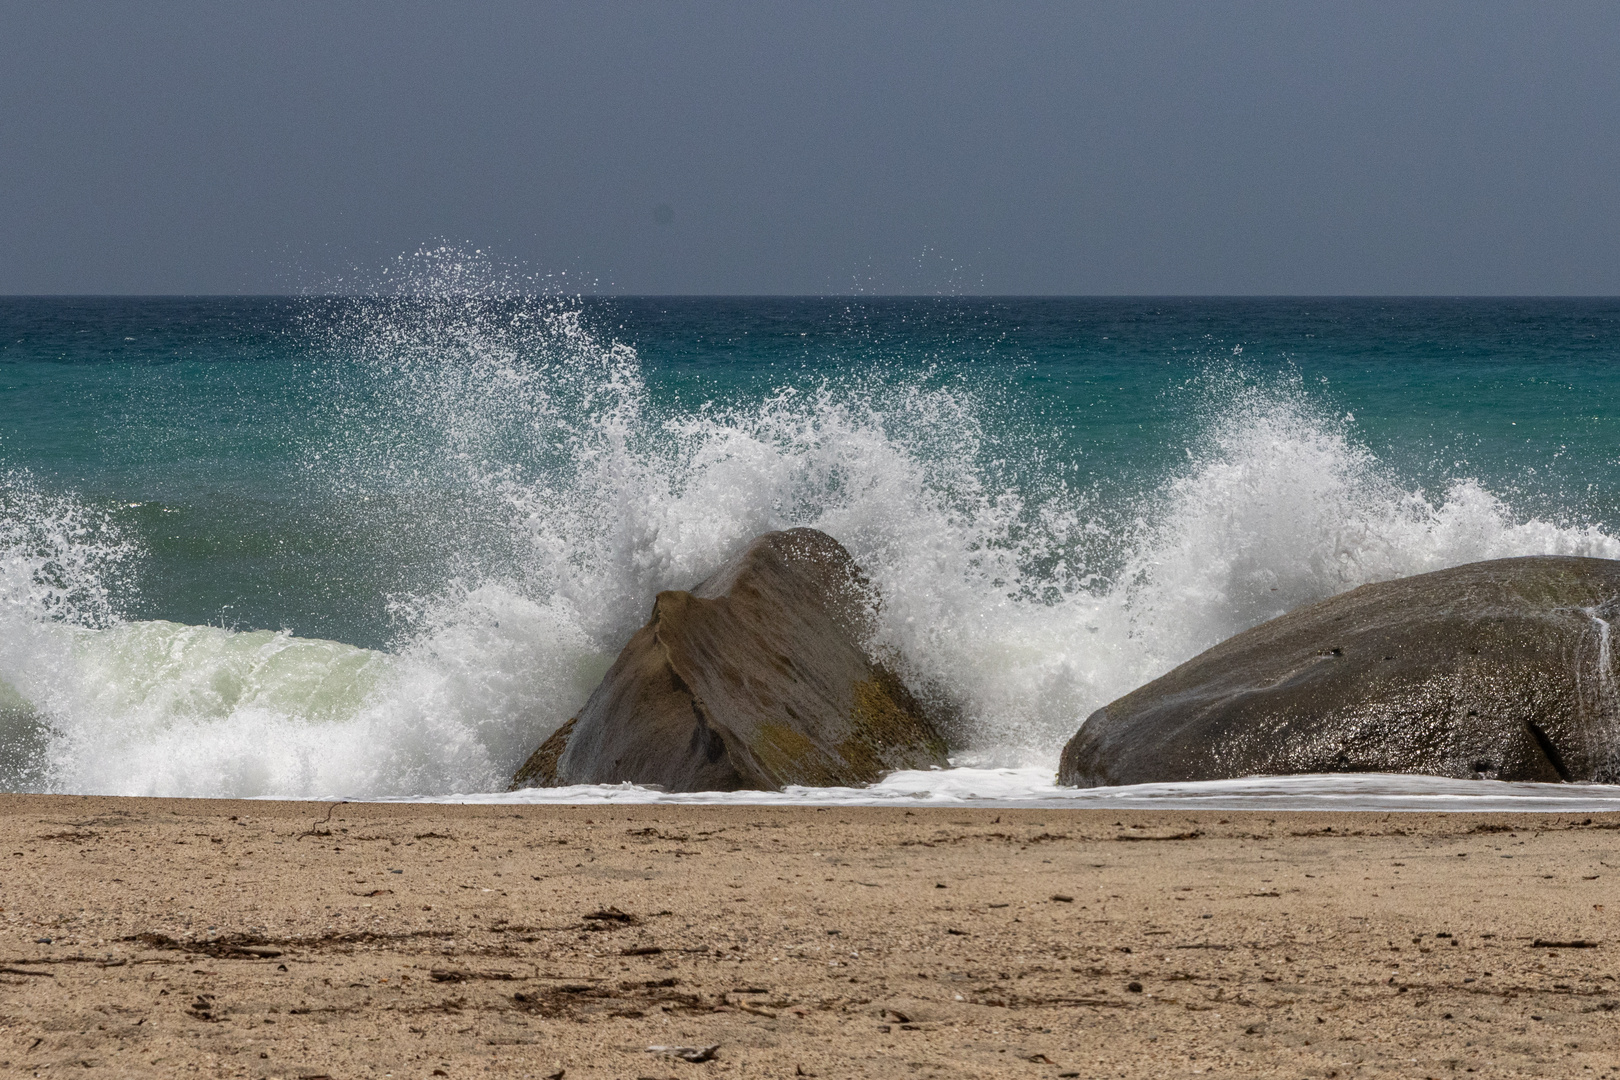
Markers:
560,498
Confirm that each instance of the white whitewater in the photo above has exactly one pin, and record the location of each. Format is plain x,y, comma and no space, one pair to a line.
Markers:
1033,788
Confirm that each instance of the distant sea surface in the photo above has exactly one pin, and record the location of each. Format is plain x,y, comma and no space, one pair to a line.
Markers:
381,547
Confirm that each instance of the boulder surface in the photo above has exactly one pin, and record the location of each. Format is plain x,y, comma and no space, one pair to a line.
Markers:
1501,670
756,679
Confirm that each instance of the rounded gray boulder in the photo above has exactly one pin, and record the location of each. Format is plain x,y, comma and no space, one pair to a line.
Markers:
1501,670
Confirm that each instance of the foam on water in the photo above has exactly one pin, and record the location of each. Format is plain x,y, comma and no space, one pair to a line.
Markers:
1033,787
570,501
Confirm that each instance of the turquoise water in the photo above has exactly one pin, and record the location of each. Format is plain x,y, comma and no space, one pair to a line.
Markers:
382,546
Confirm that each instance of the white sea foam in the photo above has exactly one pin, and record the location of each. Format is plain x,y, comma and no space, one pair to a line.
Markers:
1033,788
577,501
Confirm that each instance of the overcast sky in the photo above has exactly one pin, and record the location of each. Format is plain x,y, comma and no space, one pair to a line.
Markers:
674,147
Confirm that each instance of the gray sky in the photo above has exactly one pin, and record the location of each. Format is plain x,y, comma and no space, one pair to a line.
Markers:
755,147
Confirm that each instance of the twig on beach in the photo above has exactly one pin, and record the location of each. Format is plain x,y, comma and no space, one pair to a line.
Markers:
693,1054
609,918
315,830
453,976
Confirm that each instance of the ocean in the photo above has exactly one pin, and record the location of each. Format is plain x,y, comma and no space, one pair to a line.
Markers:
379,547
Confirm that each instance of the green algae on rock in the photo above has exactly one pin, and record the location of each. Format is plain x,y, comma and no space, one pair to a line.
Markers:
756,679
1500,670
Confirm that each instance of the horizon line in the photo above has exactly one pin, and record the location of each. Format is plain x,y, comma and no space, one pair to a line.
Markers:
562,295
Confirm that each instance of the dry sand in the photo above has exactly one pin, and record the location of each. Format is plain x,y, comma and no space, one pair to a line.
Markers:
150,937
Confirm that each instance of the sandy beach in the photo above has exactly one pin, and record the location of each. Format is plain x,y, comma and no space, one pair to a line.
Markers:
151,937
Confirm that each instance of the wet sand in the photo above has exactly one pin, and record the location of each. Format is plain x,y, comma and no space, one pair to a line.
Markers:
148,937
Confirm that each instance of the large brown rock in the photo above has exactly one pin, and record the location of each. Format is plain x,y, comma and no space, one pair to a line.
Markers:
1496,669
754,680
